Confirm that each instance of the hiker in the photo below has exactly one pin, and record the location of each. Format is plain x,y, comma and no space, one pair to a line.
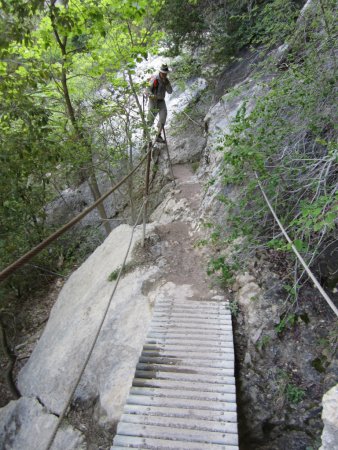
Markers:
159,85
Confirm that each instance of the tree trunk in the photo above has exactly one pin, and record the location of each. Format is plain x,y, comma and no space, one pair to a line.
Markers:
8,375
93,184
131,186
139,106
94,187
130,167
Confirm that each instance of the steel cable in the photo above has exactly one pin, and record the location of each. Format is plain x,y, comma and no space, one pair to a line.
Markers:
5,273
63,413
299,256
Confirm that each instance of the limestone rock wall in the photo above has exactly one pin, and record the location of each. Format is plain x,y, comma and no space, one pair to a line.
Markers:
330,419
26,424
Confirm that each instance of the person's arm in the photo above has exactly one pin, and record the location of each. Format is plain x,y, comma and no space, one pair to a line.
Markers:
168,87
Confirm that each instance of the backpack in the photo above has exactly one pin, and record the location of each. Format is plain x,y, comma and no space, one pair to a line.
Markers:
153,81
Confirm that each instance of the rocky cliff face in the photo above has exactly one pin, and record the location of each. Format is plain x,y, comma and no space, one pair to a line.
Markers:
282,372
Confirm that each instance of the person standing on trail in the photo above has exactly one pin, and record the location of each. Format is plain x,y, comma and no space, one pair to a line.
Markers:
159,85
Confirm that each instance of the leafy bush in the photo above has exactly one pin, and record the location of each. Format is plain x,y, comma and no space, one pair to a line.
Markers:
289,140
274,22
183,23
227,26
222,269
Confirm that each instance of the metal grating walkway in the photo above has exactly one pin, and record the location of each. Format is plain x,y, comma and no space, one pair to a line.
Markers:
183,393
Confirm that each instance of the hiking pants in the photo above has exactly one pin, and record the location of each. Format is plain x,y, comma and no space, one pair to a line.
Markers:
157,107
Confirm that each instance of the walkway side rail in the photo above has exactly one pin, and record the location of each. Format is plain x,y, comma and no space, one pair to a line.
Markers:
34,251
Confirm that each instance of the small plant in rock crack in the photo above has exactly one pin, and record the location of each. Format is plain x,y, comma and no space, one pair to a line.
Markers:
234,307
293,393
126,268
201,243
327,347
285,321
222,269
263,342
194,166
291,320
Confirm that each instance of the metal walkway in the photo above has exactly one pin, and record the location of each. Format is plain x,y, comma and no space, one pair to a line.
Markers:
183,393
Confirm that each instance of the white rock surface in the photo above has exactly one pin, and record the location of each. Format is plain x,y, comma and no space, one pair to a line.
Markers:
330,419
189,143
62,349
242,280
218,121
171,210
180,98
186,148
25,424
247,297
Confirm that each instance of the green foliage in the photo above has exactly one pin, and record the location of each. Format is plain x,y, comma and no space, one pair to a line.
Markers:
183,23
263,342
74,247
274,22
28,155
291,320
195,165
293,393
317,215
227,26
185,67
327,347
201,243
17,20
114,275
234,308
128,267
56,129
222,269
286,320
289,140
319,364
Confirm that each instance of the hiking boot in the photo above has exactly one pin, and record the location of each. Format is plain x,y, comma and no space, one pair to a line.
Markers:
160,139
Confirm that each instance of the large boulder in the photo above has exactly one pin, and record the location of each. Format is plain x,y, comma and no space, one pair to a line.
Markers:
75,318
330,419
26,424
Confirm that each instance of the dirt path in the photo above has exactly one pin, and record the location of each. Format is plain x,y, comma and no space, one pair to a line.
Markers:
186,262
